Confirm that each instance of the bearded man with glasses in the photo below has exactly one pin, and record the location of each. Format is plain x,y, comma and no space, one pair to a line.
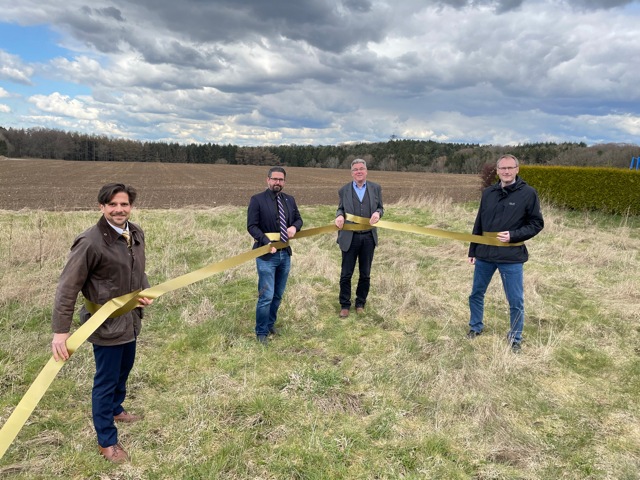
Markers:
511,207
272,212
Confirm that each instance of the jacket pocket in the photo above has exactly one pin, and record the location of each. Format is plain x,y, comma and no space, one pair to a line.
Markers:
84,316
105,291
114,328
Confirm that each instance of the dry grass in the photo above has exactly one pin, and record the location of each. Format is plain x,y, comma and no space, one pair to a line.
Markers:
396,393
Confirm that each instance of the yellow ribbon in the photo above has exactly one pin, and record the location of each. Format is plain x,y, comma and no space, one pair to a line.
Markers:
113,308
488,238
44,379
125,303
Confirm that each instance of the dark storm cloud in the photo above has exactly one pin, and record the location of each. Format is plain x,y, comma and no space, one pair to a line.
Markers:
105,29
331,26
109,12
327,25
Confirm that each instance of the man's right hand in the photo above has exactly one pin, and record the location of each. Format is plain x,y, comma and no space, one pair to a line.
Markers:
340,222
59,346
472,260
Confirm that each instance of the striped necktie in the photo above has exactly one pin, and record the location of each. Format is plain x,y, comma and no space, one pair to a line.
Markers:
284,237
127,237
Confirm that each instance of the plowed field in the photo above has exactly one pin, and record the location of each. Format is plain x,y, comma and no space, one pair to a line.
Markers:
66,185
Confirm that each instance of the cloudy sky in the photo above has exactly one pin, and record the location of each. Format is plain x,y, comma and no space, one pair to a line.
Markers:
257,72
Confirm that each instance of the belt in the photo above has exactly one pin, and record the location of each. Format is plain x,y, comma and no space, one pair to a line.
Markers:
362,232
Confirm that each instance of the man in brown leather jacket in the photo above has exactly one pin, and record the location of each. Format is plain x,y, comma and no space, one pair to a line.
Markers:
106,261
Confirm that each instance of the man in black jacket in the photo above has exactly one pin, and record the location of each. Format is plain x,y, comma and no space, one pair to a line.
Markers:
272,212
511,208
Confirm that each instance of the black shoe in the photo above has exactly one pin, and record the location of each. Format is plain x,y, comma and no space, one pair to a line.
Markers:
263,339
274,331
516,347
473,334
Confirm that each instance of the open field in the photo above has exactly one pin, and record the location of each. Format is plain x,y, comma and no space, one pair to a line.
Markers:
396,393
65,185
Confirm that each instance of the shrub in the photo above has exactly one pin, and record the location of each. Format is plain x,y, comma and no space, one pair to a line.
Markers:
488,175
611,190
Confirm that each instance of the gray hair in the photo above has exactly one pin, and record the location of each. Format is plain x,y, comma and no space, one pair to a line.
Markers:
358,160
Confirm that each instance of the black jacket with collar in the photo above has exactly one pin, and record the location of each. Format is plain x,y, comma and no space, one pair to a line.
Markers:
514,208
262,217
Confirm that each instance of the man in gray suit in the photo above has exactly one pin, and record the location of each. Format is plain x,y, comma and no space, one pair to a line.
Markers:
363,199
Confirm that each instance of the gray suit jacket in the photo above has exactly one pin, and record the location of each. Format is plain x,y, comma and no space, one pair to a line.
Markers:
346,206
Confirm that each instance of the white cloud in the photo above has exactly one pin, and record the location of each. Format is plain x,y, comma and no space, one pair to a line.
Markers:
13,69
58,104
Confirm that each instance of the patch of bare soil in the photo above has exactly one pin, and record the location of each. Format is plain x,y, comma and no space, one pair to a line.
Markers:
66,185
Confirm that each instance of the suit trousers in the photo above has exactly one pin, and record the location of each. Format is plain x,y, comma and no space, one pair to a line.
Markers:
361,250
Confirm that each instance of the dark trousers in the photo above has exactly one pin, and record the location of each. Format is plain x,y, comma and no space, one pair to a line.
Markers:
113,365
361,250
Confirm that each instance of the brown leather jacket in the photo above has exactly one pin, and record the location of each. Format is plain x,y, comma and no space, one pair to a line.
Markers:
101,266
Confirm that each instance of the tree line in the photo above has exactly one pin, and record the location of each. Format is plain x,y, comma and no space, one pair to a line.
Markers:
395,154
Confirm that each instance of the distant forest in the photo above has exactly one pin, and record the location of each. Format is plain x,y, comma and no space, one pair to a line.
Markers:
396,154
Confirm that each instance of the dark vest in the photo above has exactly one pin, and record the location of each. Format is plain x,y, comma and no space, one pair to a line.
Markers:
361,209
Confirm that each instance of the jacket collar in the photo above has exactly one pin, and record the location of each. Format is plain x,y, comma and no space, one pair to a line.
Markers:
110,235
273,194
517,185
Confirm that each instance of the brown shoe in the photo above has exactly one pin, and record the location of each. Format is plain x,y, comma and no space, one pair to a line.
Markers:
360,310
344,313
114,453
126,417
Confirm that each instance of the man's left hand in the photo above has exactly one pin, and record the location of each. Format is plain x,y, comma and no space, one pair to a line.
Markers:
291,232
504,237
144,301
374,218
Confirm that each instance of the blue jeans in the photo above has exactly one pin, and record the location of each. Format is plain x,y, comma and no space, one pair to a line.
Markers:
513,284
272,280
113,365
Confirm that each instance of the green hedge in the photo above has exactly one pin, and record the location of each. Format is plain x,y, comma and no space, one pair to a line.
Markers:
611,190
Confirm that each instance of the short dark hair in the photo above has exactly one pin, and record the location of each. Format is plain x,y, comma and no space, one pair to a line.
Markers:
277,169
108,191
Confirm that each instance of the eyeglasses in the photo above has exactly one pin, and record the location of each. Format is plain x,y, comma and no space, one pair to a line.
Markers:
506,168
358,169
281,180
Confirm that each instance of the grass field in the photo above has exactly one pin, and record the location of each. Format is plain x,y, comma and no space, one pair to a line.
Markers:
396,393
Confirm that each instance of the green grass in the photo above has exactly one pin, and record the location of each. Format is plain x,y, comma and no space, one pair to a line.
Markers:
395,393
